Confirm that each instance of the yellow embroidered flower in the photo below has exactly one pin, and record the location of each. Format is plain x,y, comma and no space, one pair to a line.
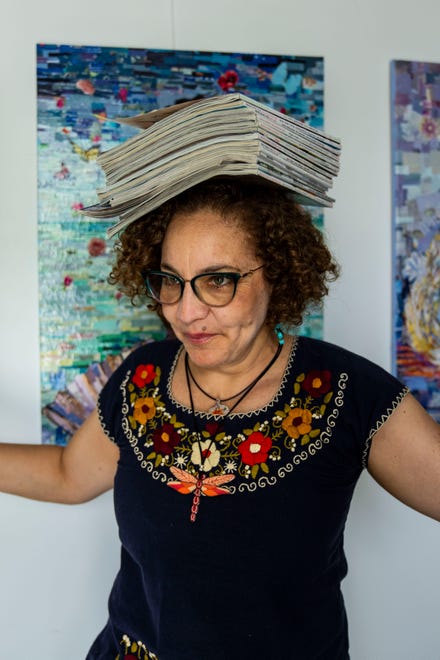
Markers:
298,422
144,409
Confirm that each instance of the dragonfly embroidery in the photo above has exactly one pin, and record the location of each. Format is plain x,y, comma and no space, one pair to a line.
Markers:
199,485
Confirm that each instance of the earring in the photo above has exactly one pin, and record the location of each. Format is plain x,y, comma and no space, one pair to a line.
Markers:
280,334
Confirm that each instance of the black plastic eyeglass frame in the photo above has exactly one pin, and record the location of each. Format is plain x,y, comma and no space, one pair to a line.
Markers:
235,277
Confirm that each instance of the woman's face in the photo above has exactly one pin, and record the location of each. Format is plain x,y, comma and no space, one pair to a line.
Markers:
202,242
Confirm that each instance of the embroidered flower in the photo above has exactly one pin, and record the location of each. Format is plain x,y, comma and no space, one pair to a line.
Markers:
165,439
255,448
317,383
144,409
205,455
144,374
212,428
297,422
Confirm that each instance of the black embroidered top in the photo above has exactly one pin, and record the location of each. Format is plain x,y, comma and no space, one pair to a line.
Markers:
258,573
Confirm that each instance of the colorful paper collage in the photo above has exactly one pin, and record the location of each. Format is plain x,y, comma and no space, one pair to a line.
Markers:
81,90
416,228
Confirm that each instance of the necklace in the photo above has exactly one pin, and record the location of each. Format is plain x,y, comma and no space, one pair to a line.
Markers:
219,408
204,454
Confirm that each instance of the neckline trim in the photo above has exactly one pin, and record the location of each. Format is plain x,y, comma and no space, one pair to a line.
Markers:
235,415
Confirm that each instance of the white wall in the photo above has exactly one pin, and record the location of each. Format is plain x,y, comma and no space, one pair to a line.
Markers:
56,562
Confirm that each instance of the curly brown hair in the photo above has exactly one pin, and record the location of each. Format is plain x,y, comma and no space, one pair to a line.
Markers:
298,264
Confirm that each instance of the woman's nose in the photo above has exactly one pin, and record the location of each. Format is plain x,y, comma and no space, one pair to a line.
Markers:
190,307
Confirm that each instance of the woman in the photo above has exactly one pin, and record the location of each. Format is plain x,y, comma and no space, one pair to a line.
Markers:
233,448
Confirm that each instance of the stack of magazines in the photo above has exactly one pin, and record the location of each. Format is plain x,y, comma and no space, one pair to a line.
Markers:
229,135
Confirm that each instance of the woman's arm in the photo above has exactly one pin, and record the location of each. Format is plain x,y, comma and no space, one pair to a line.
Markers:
405,457
82,470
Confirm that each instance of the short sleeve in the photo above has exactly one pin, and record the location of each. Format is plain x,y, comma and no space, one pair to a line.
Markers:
364,396
110,404
372,396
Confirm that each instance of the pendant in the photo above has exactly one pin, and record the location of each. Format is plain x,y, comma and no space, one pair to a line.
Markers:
218,409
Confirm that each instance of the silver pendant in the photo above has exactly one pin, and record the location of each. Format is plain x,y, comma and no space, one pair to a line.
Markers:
218,409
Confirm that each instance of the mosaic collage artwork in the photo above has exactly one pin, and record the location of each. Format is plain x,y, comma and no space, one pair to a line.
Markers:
85,324
416,228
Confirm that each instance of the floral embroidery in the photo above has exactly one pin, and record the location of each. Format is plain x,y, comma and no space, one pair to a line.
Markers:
255,448
165,439
297,423
144,374
175,454
144,409
305,409
134,651
205,455
317,382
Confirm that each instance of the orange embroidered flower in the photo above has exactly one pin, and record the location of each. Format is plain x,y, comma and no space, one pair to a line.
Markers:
144,409
297,422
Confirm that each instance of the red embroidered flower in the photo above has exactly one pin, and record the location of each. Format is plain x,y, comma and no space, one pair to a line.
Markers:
212,428
228,79
255,448
165,439
317,383
144,374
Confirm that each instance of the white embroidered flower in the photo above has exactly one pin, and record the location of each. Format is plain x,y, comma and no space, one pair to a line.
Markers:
230,466
205,455
180,460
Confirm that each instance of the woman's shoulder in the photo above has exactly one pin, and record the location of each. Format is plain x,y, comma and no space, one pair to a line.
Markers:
156,351
324,352
360,374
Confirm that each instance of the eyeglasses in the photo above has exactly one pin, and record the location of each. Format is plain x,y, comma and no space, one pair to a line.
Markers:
213,289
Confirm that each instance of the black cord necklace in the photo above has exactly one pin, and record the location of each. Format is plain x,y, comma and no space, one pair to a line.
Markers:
219,408
200,474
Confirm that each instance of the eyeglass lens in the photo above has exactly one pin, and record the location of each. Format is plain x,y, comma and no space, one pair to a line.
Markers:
214,289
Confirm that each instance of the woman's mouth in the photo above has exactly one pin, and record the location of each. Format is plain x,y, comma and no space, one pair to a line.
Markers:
197,338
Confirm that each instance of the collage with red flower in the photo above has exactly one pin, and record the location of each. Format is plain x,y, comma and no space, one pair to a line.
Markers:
168,446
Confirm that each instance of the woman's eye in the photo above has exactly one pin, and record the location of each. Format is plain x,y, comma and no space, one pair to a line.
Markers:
169,281
220,280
